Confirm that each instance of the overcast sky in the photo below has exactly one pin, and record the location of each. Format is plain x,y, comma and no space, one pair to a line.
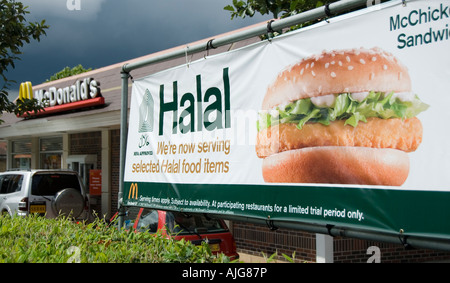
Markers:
105,32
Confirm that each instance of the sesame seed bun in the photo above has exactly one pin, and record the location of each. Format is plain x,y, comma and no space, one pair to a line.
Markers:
352,71
338,165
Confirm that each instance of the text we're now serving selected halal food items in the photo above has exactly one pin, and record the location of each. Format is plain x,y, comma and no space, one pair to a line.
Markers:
343,117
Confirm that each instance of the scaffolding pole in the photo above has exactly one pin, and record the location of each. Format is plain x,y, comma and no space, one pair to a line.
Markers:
314,14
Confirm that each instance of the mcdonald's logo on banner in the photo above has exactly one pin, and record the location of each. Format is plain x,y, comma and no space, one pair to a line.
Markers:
133,193
26,91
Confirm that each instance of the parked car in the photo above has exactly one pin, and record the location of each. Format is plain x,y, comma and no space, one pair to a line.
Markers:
196,228
46,192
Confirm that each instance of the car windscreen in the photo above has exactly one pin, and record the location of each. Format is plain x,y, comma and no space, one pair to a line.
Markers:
50,184
182,224
148,221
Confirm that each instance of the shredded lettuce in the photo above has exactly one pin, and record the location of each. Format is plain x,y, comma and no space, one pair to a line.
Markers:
376,104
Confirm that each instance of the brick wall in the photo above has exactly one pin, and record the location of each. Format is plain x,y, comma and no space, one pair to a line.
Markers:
355,250
257,240
115,168
87,143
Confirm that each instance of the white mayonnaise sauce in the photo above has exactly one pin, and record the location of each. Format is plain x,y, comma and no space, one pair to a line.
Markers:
359,96
324,100
405,96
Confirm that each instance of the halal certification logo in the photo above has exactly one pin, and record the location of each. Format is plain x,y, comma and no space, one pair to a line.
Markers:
144,140
145,123
146,113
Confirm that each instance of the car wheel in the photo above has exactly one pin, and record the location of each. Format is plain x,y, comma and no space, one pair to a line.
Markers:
68,202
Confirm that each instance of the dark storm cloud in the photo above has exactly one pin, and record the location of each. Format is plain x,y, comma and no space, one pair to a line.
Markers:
104,32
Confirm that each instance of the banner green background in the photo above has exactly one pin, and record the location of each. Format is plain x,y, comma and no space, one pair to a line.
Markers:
387,210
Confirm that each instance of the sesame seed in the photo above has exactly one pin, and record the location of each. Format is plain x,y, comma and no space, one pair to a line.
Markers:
350,68
372,75
301,71
347,58
362,61
333,74
327,65
374,58
314,74
332,62
307,66
340,63
312,64
385,67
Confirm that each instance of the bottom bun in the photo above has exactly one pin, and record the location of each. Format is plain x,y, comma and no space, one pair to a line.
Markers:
338,165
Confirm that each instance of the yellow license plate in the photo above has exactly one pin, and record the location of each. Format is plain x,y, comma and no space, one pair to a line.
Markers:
214,247
41,208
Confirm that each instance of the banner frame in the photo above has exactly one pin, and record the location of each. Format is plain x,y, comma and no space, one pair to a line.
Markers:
322,12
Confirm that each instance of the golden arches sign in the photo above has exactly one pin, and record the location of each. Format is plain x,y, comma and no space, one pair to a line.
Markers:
133,193
26,91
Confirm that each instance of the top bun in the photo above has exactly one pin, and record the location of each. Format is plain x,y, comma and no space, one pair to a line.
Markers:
355,70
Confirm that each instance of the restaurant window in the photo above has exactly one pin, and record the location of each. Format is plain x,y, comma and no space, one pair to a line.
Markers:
21,154
50,151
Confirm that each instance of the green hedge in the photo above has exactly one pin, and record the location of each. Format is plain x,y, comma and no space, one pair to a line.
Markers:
37,239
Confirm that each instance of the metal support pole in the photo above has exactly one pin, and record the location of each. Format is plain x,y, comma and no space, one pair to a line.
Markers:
123,143
320,12
324,248
317,13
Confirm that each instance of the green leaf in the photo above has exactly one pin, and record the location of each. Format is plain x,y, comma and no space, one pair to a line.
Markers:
229,8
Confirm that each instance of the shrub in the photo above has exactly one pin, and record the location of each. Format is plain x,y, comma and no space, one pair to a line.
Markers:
67,72
35,239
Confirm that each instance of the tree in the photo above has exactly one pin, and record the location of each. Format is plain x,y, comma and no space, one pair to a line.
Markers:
67,72
15,31
278,8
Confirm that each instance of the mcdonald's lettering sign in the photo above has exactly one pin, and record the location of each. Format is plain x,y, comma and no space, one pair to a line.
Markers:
133,193
83,93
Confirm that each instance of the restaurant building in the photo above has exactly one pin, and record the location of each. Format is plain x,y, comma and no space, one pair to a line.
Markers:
80,130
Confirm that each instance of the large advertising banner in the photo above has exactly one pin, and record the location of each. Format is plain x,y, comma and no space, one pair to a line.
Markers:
341,123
